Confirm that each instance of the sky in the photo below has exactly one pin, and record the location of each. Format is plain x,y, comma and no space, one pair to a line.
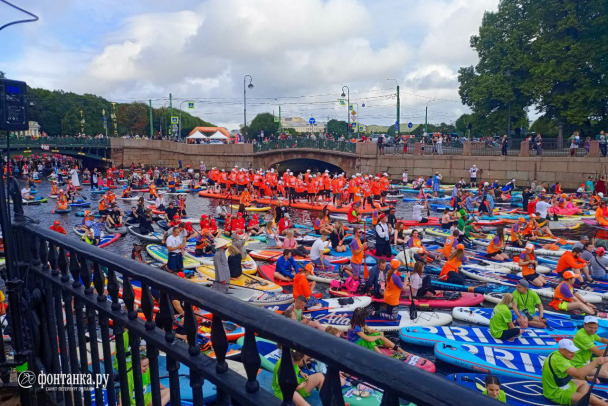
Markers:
299,53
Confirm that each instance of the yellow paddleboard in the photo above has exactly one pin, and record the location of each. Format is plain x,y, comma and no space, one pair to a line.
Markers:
245,281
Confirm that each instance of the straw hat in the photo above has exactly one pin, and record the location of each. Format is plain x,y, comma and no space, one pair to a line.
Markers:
220,242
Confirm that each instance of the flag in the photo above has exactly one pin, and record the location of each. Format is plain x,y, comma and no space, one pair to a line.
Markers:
350,107
342,102
360,128
276,119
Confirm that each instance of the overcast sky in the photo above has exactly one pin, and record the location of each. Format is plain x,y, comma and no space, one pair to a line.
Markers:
299,52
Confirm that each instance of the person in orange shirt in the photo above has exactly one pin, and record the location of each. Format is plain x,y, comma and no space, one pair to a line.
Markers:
449,246
528,263
392,292
449,272
301,285
572,261
566,299
152,191
54,188
496,246
385,184
601,215
326,185
245,198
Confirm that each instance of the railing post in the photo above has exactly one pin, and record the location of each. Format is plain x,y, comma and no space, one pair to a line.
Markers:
524,149
467,147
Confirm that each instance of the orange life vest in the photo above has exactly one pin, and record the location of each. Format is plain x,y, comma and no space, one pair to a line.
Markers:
451,265
392,291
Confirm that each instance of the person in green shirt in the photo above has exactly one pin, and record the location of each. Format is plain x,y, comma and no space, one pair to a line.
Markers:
563,383
525,302
501,323
165,396
585,340
493,389
306,383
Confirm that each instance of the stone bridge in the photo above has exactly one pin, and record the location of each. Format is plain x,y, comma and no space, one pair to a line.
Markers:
363,158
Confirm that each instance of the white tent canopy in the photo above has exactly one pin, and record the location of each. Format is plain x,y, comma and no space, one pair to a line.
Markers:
218,136
197,136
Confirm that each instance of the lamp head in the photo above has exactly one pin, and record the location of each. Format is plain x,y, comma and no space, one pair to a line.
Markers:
250,86
343,95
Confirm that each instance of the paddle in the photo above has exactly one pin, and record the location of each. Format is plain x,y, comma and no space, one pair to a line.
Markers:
584,401
413,311
365,269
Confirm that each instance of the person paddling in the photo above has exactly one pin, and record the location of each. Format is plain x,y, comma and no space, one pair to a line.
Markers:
566,299
565,384
585,340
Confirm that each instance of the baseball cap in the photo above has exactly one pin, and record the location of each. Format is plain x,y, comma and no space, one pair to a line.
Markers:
309,267
584,237
395,263
600,250
56,222
530,246
567,345
568,275
460,247
524,283
590,319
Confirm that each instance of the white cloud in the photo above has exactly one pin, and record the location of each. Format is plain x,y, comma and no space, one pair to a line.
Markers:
291,48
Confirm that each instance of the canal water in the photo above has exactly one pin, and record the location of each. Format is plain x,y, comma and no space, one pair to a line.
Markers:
196,206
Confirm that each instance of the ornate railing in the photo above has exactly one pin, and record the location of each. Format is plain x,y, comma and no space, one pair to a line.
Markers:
302,142
65,294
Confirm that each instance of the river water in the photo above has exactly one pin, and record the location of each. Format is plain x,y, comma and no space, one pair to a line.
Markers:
196,206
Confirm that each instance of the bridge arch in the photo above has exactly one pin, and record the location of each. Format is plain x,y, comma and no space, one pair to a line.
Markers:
302,159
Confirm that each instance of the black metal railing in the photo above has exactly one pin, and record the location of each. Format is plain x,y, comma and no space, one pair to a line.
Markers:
302,142
56,142
73,292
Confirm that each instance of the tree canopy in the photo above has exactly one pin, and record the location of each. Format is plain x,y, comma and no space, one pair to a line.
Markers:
262,122
58,113
548,55
337,127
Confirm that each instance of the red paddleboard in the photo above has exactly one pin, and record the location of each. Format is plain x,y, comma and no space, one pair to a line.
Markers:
433,221
267,272
372,253
409,359
273,255
296,205
153,207
431,302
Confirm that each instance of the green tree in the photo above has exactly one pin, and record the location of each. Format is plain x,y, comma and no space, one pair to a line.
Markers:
337,127
263,122
549,54
546,126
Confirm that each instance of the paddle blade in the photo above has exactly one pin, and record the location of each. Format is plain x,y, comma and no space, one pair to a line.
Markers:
561,241
365,270
413,311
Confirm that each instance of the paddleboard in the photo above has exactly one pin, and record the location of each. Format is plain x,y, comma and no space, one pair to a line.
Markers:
248,281
161,254
532,340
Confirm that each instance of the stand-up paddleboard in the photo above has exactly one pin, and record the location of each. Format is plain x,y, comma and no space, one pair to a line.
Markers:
248,264
519,391
63,211
438,302
150,237
104,241
540,251
555,321
511,280
246,281
532,340
80,203
161,254
511,266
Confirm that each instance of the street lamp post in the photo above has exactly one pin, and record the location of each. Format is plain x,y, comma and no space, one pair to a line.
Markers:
105,121
81,123
113,116
250,86
347,107
398,121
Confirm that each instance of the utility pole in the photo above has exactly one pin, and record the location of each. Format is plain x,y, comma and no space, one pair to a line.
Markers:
280,122
151,121
426,115
398,114
170,113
